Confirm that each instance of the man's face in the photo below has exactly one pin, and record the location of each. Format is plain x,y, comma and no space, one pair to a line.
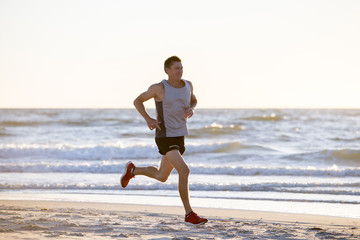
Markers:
175,71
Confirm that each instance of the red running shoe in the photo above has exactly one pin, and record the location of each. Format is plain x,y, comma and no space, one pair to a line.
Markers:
193,218
127,175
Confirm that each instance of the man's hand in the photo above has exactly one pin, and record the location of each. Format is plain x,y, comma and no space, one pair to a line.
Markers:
189,112
153,123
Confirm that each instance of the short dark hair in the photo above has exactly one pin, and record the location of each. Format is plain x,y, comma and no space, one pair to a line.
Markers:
168,62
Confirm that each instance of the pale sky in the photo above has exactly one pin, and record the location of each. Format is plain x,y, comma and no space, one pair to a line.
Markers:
237,54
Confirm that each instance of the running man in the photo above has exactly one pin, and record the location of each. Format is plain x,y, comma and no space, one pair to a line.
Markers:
175,102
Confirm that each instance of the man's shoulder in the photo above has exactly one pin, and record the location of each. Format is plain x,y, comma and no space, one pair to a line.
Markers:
190,83
159,85
156,88
185,80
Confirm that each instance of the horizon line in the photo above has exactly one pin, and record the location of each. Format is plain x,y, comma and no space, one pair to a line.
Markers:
215,108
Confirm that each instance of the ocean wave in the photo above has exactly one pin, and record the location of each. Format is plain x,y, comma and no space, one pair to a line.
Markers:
343,154
339,156
4,134
224,147
265,117
333,171
105,152
67,122
64,167
215,129
22,123
356,139
96,122
310,188
113,166
71,152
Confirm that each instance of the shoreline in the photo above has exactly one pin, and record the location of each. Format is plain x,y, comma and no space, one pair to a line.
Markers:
132,197
24,219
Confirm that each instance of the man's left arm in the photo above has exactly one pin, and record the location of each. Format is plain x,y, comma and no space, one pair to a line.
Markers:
193,102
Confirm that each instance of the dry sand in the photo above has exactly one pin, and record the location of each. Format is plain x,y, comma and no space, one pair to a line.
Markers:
75,220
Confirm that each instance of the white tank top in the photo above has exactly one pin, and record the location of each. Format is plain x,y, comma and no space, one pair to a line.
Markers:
171,110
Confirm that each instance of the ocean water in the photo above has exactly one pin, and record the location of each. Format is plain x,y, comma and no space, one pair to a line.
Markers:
287,160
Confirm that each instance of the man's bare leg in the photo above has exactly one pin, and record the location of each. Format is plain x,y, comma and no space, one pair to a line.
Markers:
161,174
171,160
176,160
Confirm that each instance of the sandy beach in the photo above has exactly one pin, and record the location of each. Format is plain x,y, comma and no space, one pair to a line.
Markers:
77,220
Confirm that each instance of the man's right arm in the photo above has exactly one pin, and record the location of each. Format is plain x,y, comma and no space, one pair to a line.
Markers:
152,92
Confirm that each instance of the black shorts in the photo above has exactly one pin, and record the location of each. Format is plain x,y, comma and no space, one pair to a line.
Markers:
166,144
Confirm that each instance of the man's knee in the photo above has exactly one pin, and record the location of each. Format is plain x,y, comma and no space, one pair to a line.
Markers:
184,172
178,162
163,178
